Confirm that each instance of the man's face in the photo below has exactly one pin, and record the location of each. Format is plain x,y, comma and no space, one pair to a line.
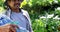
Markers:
15,4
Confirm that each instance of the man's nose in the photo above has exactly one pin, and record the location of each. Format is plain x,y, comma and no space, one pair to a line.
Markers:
17,1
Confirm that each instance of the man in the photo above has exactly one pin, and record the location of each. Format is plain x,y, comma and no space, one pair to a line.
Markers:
17,14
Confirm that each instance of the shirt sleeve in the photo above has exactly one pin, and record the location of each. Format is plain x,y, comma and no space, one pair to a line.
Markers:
4,20
29,26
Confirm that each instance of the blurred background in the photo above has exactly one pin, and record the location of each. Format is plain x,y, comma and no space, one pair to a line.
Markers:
44,14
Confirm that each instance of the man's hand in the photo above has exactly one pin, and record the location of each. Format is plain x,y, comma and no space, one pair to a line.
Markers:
8,28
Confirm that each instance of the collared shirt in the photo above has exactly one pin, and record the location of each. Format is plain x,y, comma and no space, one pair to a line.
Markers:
25,16
4,20
19,17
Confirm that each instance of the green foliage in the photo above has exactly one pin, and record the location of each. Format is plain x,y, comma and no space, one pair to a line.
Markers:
41,6
46,25
38,8
1,3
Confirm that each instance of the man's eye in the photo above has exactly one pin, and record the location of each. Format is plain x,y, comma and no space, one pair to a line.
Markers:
13,0
17,0
21,0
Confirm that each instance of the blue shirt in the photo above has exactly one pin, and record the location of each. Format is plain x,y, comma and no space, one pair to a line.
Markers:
25,13
4,20
20,18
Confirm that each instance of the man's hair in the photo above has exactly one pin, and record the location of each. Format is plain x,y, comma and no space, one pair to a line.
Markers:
6,4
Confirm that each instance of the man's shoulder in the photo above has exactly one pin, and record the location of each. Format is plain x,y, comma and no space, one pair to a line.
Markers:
25,12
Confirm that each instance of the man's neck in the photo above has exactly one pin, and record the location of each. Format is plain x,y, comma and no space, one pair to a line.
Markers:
16,10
